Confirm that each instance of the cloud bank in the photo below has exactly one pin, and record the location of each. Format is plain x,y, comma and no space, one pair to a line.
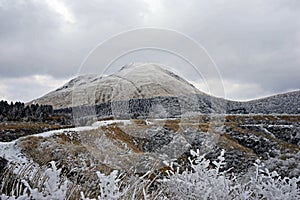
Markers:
255,44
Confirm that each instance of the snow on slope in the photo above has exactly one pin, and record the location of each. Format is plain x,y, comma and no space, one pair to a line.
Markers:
134,80
282,103
286,103
11,152
146,81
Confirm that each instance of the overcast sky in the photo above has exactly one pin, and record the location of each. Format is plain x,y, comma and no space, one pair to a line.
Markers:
255,44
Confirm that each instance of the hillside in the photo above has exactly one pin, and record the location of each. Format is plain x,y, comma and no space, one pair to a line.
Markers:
133,81
68,162
287,103
145,130
139,90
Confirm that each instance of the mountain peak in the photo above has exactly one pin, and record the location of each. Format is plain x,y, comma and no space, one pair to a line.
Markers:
132,81
152,82
140,69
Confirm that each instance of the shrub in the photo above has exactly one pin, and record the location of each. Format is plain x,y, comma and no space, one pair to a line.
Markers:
202,180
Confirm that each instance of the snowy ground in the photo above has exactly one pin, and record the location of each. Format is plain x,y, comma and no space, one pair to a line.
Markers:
73,146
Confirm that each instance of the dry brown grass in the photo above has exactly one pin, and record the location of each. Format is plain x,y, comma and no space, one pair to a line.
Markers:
139,122
67,140
117,135
204,127
264,117
24,125
283,144
290,118
231,118
228,143
172,125
30,143
43,150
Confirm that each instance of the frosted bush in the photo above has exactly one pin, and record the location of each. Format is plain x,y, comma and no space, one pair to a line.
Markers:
114,186
202,180
270,185
205,182
109,186
53,187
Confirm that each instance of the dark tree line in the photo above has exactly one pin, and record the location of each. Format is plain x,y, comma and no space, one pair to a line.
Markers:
19,112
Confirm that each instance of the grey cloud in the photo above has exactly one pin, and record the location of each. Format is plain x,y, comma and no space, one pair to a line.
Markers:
22,19
118,12
26,28
36,40
253,42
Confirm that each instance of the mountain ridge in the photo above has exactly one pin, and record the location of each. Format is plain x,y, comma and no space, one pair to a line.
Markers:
148,81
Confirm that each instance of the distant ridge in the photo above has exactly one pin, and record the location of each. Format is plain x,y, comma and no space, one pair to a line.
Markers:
284,103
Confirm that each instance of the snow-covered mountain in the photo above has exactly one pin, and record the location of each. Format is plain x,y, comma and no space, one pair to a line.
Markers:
66,163
149,87
136,90
133,81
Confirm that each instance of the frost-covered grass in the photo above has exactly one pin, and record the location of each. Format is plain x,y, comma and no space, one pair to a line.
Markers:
51,186
204,182
203,179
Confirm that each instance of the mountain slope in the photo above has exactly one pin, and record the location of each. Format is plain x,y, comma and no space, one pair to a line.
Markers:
282,103
148,87
131,82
